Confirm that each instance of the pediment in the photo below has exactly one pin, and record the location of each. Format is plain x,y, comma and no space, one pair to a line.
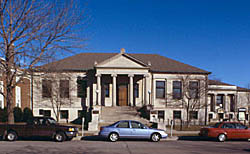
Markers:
121,61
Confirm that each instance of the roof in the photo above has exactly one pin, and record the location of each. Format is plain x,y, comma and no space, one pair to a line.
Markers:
86,61
216,82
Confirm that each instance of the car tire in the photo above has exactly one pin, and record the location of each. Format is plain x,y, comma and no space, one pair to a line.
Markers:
155,137
113,137
221,137
11,136
60,137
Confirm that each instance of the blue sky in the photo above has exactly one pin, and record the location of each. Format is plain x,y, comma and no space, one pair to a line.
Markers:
210,34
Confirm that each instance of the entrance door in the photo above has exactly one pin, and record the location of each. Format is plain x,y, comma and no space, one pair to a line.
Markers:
123,95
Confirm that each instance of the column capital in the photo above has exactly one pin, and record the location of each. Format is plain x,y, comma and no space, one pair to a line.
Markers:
114,75
131,75
98,75
146,75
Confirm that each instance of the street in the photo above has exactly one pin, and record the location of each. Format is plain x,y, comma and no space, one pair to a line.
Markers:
95,146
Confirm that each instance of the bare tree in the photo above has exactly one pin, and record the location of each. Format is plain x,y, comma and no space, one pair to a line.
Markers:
190,96
55,88
31,33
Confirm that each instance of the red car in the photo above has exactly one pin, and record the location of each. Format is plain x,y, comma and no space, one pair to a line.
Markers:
226,130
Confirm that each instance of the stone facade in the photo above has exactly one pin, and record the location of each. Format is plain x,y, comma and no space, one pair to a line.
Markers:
122,80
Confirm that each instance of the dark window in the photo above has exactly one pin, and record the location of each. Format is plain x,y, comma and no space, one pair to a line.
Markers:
106,89
46,88
221,115
161,115
160,89
210,116
136,125
64,88
81,88
231,116
212,105
228,126
123,124
193,114
194,89
240,126
46,113
219,100
177,114
177,90
246,116
64,114
136,90
232,103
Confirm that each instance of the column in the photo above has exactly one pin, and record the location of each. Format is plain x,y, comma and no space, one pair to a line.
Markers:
146,76
114,90
131,87
98,89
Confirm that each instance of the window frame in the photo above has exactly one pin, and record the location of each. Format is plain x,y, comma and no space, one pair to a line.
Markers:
157,87
194,88
64,88
193,115
82,86
46,88
177,87
62,116
175,113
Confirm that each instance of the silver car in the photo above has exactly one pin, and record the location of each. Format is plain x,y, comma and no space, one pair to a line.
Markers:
131,129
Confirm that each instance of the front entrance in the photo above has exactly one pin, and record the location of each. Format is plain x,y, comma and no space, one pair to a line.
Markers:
122,95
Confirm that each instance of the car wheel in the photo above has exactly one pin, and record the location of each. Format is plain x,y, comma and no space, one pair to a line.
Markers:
60,137
11,136
221,137
113,137
155,137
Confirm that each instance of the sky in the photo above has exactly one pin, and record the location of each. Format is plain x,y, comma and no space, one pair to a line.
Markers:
213,35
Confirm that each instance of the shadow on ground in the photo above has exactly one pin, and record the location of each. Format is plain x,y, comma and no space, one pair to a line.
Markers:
98,138
199,138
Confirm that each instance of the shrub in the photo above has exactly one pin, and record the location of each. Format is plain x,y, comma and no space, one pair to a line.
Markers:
27,115
3,115
18,114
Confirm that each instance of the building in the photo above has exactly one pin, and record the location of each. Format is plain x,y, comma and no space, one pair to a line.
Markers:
99,81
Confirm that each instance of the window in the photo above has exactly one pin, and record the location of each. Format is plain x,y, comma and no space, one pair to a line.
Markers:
161,115
64,114
193,114
212,106
177,114
123,124
232,103
219,100
210,116
64,88
231,116
46,113
81,88
177,90
46,88
137,125
106,89
221,115
194,89
160,89
228,126
240,126
136,90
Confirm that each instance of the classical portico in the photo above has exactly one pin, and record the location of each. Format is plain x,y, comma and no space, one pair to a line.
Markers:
120,76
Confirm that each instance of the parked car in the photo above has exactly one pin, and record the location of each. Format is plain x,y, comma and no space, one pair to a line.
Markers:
226,130
131,129
38,127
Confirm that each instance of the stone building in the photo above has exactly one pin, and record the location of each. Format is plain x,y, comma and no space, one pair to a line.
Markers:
111,83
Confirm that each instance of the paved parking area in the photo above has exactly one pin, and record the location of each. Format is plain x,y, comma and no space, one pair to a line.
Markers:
188,145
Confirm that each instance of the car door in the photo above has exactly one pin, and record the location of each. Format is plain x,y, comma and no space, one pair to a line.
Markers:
42,128
230,130
124,129
242,131
139,130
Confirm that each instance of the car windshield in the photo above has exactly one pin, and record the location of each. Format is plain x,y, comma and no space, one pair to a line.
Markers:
52,121
113,124
216,125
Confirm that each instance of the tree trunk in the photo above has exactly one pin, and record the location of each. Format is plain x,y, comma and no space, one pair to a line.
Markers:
10,105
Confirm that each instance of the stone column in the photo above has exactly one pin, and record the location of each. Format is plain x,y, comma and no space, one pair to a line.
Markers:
98,89
146,76
114,90
131,87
